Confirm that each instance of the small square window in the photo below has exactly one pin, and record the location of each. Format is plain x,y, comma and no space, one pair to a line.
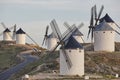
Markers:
69,50
79,50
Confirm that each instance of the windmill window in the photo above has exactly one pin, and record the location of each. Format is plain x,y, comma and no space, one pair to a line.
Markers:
96,32
111,32
103,32
69,50
79,50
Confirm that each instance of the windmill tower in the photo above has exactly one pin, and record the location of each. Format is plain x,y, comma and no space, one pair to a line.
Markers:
76,34
72,58
71,52
104,37
20,36
50,40
7,35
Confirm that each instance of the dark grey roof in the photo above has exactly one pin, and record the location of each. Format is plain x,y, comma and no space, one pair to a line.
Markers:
72,44
6,30
77,33
20,31
52,35
103,26
107,18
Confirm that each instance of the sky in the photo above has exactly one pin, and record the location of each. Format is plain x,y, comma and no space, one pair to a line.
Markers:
34,15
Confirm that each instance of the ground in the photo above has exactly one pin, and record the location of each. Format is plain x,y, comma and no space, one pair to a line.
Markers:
99,64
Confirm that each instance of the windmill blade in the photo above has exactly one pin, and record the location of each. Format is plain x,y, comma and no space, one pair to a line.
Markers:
46,34
91,23
88,33
70,32
92,34
117,32
67,58
14,28
95,12
101,10
32,39
6,28
14,32
69,29
117,25
80,25
82,39
55,29
43,40
91,20
3,25
66,25
63,40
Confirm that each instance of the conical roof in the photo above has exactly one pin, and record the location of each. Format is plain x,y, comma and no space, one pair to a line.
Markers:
103,26
20,31
6,30
107,18
52,35
77,33
72,44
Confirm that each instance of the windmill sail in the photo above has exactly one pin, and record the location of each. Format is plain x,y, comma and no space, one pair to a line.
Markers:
62,40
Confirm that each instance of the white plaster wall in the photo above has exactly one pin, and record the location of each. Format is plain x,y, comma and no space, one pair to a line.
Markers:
20,38
7,36
51,43
104,41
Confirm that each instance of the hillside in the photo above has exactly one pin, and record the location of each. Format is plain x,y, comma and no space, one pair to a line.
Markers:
100,63
9,54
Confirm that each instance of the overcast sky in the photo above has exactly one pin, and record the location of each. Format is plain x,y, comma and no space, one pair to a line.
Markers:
34,15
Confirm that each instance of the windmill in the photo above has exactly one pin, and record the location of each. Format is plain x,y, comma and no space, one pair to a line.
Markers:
104,37
7,33
111,22
49,40
71,59
77,34
21,37
94,17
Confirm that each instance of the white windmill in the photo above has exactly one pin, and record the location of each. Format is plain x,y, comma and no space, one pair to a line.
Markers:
104,37
49,40
71,52
20,37
104,32
77,34
7,35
